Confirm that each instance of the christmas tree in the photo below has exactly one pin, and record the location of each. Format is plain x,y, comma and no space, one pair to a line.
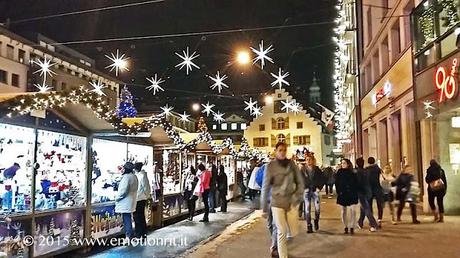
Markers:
74,232
126,107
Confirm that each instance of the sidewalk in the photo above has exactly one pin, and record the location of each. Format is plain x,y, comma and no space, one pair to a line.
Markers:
250,239
186,235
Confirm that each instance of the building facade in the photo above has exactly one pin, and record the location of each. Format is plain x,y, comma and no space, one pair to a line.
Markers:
436,37
72,69
298,130
387,104
233,128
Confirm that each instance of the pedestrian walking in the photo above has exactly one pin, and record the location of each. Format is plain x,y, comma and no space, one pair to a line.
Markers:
240,183
374,173
204,189
346,184
285,181
144,194
330,179
437,187
314,182
387,178
222,188
405,191
190,183
364,195
213,188
125,200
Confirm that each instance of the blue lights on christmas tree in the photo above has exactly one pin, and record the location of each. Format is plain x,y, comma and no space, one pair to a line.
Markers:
126,107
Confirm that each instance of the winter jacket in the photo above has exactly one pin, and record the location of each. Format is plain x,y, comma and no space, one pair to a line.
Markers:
286,184
214,175
346,184
330,176
260,175
434,173
403,183
205,181
143,190
222,185
364,186
314,178
373,172
125,201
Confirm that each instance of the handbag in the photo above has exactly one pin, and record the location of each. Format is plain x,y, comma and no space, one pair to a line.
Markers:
437,185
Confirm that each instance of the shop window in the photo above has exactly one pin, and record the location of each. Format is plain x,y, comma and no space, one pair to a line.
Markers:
3,76
22,56
260,142
10,52
299,125
262,127
15,80
302,140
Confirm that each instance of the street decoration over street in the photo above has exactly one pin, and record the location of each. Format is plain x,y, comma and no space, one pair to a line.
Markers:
187,60
155,84
218,82
45,71
280,78
119,62
261,54
98,86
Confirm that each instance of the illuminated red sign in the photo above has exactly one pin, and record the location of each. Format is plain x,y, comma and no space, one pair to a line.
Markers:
447,82
382,92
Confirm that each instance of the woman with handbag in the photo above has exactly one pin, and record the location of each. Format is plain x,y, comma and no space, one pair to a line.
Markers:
437,186
404,193
346,185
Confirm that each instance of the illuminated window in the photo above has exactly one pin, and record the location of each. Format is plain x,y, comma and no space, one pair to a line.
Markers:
214,127
224,126
234,126
243,126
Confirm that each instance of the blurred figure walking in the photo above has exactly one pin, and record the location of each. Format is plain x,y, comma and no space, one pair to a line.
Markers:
437,187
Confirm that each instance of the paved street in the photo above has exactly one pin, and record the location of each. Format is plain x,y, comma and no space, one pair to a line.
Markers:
250,239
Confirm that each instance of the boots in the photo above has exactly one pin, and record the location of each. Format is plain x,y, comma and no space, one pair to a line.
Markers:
413,210
309,229
435,215
441,218
316,224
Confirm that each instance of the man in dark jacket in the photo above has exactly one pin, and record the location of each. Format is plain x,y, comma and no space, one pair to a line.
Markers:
314,182
364,195
374,172
222,187
213,189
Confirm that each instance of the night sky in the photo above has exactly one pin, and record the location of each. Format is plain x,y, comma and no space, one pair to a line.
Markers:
299,50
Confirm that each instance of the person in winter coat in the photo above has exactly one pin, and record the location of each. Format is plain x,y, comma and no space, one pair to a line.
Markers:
143,195
283,178
437,187
346,183
222,187
387,178
364,195
403,184
125,201
314,182
213,188
374,173
189,185
330,180
204,189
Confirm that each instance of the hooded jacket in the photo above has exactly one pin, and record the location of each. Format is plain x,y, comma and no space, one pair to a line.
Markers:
127,194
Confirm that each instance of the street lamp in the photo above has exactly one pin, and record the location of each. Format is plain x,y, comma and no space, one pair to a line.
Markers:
268,99
243,57
196,107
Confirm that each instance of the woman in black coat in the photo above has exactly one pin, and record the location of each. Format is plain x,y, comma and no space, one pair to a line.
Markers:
222,187
433,176
346,183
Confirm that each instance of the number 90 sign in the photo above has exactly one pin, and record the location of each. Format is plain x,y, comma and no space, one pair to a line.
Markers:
447,82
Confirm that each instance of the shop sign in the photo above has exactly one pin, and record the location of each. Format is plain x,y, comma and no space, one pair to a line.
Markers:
447,83
382,92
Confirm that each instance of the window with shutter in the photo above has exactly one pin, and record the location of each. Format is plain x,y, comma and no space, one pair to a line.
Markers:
288,139
273,124
273,140
286,123
296,140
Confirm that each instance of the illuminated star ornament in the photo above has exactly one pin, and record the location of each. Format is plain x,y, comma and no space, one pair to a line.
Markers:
119,62
262,54
250,105
287,105
218,82
280,78
208,108
187,60
296,107
184,117
98,87
155,84
256,111
42,87
166,110
428,106
45,67
219,117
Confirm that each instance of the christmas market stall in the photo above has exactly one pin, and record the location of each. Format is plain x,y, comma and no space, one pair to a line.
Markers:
227,156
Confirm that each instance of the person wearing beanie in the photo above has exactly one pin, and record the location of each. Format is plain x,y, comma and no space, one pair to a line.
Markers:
125,201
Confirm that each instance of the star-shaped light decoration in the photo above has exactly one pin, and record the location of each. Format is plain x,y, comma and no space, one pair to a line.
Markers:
98,87
166,110
184,117
45,67
155,84
219,117
262,54
280,78
119,62
42,87
287,105
428,106
207,108
218,82
296,107
256,111
187,60
250,105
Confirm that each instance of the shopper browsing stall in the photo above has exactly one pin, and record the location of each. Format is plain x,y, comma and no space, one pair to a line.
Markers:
203,189
125,202
143,195
222,187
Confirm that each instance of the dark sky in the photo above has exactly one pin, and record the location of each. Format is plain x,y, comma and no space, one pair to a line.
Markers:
299,50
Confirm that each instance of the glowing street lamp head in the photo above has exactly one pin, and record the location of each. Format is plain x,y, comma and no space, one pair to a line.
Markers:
243,57
268,99
196,107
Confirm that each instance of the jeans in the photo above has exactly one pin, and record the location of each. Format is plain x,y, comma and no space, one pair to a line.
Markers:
378,196
223,201
439,195
310,196
285,221
402,204
272,229
366,212
128,225
212,199
139,219
349,222
206,204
